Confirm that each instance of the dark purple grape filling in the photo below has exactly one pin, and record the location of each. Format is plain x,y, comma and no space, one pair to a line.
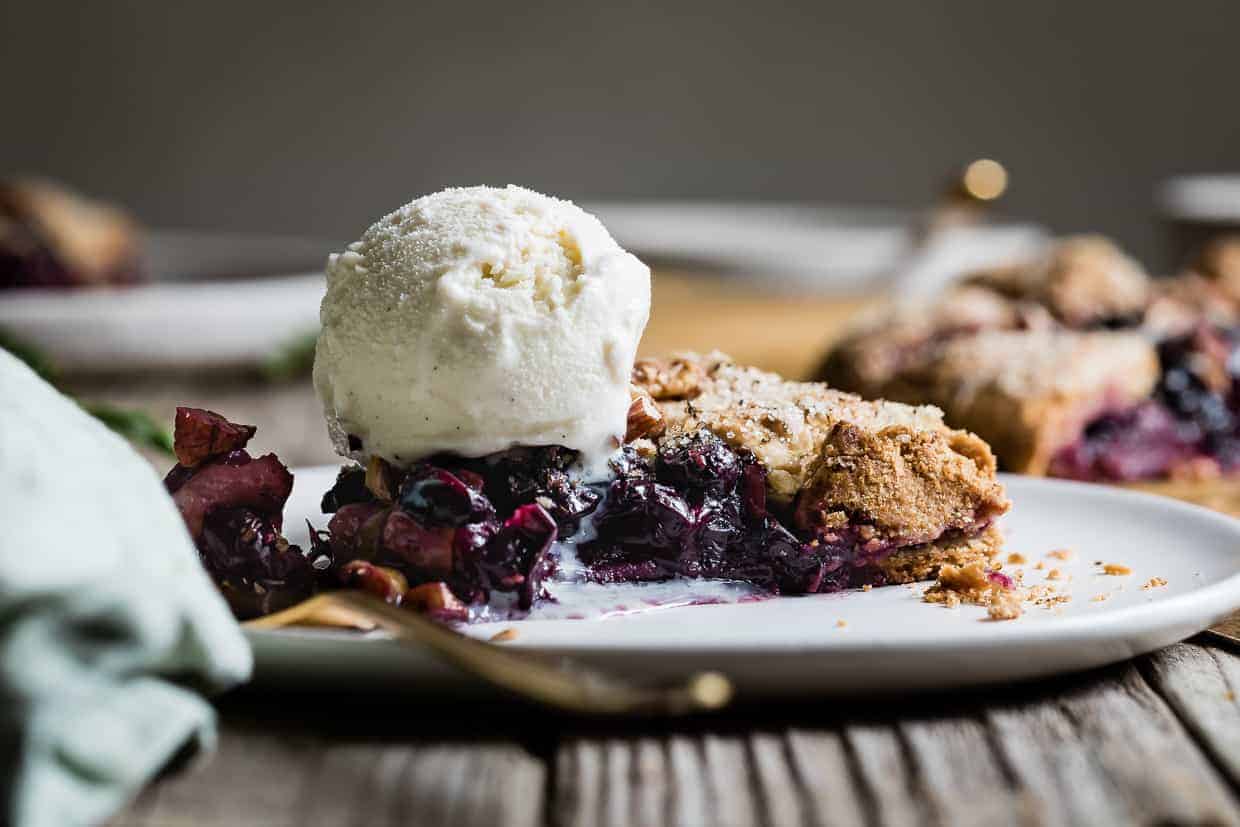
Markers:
1199,387
233,507
350,488
520,476
437,497
696,509
1194,416
1135,444
459,529
699,464
517,558
256,570
701,511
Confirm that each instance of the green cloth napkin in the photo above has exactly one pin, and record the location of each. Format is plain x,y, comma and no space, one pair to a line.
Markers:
109,627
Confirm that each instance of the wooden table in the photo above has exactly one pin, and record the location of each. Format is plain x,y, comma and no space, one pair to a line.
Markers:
1156,741
1152,741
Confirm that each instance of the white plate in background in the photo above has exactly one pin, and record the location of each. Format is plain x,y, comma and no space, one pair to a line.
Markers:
820,248
889,639
213,300
220,299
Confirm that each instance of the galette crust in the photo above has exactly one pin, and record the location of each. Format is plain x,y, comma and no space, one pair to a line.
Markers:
1029,393
834,456
1081,280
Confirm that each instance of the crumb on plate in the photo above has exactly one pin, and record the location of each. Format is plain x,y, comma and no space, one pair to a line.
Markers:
504,634
1116,569
1153,583
974,584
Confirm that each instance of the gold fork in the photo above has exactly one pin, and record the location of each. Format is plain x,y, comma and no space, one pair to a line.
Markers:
571,688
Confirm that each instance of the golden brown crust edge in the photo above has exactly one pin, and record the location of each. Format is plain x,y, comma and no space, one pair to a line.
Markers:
917,563
833,456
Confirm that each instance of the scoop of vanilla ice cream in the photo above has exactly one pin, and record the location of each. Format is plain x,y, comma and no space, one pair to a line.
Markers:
475,319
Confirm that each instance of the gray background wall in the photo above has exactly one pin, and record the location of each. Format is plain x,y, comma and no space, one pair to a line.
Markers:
315,118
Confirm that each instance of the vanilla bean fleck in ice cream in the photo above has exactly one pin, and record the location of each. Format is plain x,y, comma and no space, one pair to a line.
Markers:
475,319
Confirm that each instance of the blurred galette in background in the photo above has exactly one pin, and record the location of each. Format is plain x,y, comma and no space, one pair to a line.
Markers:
52,237
1076,364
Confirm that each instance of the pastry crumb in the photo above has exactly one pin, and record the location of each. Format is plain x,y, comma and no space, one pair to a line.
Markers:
974,584
1061,554
503,635
866,587
1098,598
1116,569
1046,596
1229,695
840,624
1016,558
1005,605
1038,566
1153,583
1054,574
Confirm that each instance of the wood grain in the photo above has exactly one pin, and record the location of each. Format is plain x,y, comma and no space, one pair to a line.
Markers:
1106,749
277,778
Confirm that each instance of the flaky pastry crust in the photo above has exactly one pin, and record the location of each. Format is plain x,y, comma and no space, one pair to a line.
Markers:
834,457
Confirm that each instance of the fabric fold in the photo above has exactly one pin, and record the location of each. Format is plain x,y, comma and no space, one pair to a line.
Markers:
109,628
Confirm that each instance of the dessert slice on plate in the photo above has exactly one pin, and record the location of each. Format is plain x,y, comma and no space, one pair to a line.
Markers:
1079,366
728,474
476,365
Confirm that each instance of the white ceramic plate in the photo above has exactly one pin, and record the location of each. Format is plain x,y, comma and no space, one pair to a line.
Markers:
821,247
213,299
886,639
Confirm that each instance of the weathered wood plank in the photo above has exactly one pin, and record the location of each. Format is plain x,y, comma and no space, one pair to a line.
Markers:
1118,747
959,774
617,795
277,779
689,802
250,777
651,779
884,770
578,783
778,788
730,779
1055,769
833,794
1109,751
1202,685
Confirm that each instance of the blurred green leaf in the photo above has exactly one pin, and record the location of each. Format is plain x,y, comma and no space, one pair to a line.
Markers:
292,360
36,360
136,426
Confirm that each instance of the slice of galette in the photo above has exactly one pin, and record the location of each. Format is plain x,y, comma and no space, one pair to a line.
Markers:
1080,367
728,473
